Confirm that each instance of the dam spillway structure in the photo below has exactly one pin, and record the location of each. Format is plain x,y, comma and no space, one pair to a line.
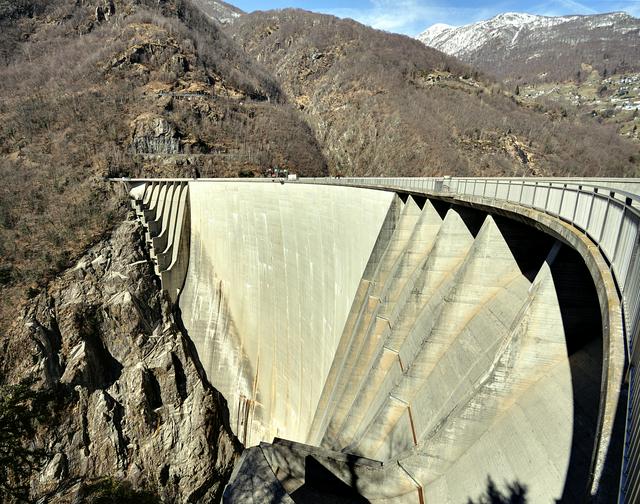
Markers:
412,340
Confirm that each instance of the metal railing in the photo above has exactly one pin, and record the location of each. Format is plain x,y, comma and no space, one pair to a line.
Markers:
609,217
605,212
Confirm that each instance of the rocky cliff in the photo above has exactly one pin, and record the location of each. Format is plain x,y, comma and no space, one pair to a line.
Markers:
136,405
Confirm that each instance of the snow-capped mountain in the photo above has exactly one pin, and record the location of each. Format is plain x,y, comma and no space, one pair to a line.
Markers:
514,44
220,11
505,28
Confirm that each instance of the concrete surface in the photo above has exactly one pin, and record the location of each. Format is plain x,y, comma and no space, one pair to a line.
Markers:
435,338
273,271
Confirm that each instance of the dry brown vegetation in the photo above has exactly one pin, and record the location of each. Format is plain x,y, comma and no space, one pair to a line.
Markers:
156,88
386,104
79,99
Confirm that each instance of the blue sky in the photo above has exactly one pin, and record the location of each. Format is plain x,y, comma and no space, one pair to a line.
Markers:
413,16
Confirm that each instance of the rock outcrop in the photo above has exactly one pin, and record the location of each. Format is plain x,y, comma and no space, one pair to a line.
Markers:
154,135
138,406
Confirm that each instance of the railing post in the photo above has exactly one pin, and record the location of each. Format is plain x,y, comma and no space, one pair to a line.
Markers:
604,221
521,192
593,197
546,201
564,188
575,206
614,259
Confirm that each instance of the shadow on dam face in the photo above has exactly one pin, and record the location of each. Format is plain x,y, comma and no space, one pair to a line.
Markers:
457,347
582,324
583,332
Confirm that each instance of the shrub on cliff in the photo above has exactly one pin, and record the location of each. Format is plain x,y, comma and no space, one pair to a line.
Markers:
21,409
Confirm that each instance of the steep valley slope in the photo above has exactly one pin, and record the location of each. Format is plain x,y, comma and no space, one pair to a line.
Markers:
581,66
384,104
96,89
139,91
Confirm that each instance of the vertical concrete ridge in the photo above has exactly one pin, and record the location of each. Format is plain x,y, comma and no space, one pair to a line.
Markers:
474,348
166,222
154,211
370,325
345,423
385,237
525,390
401,236
428,366
151,198
436,329
413,239
363,306
163,209
487,266
451,246
168,258
321,416
160,221
417,250
174,275
166,238
135,195
453,239
414,253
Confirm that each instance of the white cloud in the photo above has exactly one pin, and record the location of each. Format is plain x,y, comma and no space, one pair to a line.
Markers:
411,16
632,8
564,7
577,7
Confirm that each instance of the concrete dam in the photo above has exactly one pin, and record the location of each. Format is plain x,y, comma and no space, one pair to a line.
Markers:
400,344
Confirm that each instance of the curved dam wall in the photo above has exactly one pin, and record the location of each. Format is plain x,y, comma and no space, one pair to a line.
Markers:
273,271
451,345
466,362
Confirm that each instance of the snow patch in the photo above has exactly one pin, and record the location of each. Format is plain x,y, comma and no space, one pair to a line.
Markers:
510,28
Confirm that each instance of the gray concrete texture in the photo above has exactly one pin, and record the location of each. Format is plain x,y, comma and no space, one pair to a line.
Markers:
432,338
273,271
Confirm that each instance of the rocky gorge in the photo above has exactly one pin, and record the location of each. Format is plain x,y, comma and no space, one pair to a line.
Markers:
133,401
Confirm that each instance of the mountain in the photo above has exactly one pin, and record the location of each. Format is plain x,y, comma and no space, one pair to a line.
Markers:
121,88
92,89
220,11
525,47
381,103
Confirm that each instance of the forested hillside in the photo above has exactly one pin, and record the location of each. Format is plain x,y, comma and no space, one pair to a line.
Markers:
384,104
97,89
